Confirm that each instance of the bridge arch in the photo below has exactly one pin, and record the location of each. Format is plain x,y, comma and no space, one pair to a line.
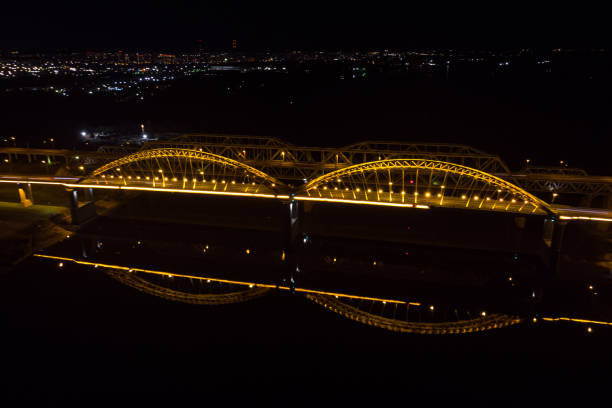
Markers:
422,183
237,295
183,169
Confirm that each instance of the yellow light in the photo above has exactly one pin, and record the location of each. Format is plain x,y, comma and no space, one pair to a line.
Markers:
488,198
185,179
174,179
390,183
535,319
427,194
347,201
565,217
129,177
403,192
61,264
233,182
137,177
214,181
589,329
476,198
251,285
369,190
357,189
591,287
81,168
224,280
156,178
439,195
483,314
338,180
380,191
103,176
374,263
431,307
514,200
118,169
463,197
334,259
416,193
248,251
442,186
160,171
325,188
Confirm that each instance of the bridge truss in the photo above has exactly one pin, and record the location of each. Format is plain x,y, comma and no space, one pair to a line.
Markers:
423,183
296,164
285,161
183,169
391,318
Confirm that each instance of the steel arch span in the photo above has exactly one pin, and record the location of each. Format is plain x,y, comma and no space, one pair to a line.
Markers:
132,280
484,323
184,170
422,183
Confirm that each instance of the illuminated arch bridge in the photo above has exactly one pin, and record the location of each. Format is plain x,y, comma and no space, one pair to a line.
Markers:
411,183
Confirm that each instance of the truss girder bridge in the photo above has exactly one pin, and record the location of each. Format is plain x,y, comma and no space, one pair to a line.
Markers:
419,183
285,161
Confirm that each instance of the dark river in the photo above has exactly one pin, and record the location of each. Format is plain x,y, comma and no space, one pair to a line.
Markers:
158,308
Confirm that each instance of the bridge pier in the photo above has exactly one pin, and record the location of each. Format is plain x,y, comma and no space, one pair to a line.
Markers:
25,194
291,234
82,213
558,231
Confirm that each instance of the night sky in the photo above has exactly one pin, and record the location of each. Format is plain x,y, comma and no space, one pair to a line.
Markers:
72,25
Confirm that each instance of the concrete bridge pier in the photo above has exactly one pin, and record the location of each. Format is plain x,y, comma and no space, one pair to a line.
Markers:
83,210
25,194
291,233
558,231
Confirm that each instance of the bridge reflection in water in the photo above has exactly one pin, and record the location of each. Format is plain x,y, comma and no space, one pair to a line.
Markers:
426,282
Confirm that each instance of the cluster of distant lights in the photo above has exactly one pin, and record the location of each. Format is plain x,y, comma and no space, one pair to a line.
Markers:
15,69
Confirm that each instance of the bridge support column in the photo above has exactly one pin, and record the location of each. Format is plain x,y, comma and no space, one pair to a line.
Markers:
556,245
25,194
291,232
82,213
